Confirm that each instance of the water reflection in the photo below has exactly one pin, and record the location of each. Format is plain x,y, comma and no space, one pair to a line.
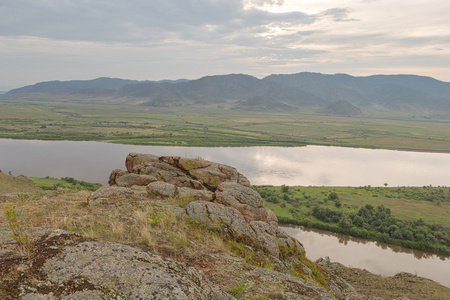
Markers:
345,239
310,165
376,257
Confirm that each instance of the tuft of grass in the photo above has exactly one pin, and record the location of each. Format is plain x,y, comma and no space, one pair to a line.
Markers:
23,236
238,290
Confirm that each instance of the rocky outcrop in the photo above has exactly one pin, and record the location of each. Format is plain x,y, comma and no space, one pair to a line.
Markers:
224,197
67,266
182,203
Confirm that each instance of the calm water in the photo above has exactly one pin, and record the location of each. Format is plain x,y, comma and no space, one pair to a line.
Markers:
311,165
375,257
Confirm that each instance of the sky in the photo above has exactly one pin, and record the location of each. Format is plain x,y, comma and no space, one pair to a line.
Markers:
43,40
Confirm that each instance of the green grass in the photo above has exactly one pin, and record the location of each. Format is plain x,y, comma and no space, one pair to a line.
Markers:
425,209
50,183
193,127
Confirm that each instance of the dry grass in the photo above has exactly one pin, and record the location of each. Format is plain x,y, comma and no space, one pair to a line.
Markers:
147,223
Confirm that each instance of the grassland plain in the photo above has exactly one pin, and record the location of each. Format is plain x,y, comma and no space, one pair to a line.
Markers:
414,217
181,126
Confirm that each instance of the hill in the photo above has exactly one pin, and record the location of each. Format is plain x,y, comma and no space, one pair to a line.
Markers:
338,94
16,184
198,231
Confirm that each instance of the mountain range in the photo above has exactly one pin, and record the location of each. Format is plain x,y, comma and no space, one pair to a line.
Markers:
339,94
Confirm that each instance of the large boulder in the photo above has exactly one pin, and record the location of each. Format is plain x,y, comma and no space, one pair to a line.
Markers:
167,173
115,174
215,174
216,214
131,179
163,189
246,200
134,159
118,192
263,235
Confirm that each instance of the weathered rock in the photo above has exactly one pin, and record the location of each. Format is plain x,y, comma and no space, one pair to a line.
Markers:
232,220
132,179
115,174
167,173
118,192
163,189
285,285
204,194
134,159
129,271
214,174
271,217
66,266
246,200
266,234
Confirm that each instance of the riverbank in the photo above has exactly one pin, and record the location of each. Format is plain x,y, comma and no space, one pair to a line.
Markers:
413,217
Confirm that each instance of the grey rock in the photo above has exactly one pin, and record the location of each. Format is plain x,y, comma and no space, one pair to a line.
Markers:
266,235
204,194
232,219
134,159
163,189
167,173
215,174
112,192
115,174
249,203
129,271
132,179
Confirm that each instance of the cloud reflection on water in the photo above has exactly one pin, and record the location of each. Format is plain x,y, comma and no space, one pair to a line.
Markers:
310,165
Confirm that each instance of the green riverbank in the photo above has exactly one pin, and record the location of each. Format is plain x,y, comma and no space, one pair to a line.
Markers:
413,217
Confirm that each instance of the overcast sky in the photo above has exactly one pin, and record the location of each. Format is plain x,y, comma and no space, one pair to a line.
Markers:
42,40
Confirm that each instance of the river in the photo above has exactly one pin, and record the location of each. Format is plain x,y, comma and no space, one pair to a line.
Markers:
376,257
310,165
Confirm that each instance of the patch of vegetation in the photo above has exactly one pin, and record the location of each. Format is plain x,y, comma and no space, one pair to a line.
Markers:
22,235
16,184
413,217
49,183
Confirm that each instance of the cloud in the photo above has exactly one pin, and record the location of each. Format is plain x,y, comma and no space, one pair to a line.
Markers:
138,21
338,14
138,39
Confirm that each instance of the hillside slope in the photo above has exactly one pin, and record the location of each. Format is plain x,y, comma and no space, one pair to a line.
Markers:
314,92
16,184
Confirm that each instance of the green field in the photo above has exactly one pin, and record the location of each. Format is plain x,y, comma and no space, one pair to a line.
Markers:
180,126
414,217
50,183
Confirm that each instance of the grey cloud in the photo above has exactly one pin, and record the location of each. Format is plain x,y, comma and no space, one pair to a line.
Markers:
137,20
338,14
268,2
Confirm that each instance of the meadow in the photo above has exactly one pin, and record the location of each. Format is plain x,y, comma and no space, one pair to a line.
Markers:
181,126
414,217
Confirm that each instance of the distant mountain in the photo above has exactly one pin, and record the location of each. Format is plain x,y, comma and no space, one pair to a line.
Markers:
339,94
391,91
72,86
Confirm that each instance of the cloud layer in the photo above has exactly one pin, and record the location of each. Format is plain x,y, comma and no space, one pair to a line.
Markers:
138,39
